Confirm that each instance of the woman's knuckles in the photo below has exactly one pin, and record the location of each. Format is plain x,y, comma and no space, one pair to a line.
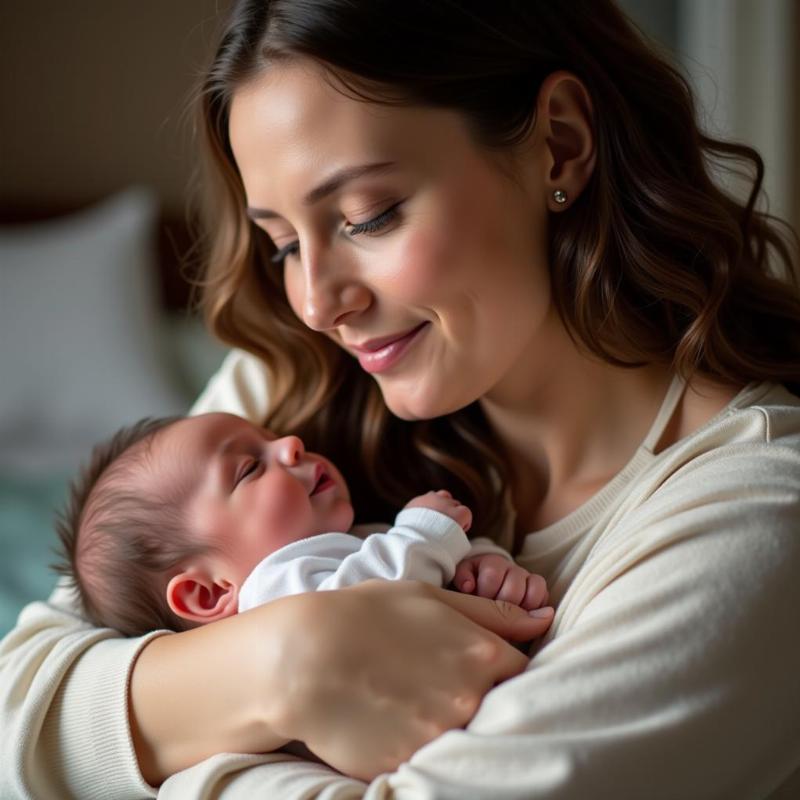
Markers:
467,703
485,651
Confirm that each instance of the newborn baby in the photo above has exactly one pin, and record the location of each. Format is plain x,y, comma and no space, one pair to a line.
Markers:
184,521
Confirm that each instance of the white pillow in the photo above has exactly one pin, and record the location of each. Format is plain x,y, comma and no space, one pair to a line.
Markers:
79,326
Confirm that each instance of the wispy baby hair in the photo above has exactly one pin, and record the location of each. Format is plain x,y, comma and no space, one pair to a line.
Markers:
118,542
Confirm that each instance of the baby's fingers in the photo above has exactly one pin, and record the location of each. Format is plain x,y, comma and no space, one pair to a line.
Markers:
514,586
536,594
466,577
491,574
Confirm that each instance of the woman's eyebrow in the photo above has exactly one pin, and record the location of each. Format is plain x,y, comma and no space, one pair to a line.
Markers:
328,187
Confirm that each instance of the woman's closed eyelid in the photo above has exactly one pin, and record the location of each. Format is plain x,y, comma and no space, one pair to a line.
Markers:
377,222
286,250
355,229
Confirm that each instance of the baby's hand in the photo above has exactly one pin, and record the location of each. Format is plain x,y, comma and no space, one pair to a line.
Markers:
444,502
493,576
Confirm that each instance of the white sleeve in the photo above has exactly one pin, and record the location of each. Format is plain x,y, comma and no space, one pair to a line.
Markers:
423,545
672,673
63,707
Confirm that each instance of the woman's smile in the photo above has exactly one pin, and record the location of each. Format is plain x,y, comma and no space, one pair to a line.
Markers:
457,275
380,355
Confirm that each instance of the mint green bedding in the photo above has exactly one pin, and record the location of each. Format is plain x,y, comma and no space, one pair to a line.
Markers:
27,539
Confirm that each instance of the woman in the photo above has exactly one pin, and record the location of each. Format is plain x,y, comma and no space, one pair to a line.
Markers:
475,245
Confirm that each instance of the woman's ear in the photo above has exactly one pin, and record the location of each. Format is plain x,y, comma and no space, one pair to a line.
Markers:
196,596
565,119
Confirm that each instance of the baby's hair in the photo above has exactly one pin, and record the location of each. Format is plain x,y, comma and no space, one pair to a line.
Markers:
118,542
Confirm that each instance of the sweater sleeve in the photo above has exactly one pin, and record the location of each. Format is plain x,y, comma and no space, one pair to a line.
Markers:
64,685
671,670
63,708
240,386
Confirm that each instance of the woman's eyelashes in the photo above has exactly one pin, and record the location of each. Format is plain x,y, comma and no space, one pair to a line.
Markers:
288,250
353,229
376,223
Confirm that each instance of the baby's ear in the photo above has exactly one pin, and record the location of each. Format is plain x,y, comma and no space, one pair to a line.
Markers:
196,596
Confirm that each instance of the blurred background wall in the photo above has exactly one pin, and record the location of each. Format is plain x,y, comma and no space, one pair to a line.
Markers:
92,92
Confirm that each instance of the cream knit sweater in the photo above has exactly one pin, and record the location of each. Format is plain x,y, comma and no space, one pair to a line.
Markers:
672,669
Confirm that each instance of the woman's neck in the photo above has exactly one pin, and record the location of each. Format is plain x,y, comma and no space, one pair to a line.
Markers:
569,423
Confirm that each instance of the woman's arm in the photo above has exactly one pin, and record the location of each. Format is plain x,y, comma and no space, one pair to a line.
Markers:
672,671
205,691
364,676
63,712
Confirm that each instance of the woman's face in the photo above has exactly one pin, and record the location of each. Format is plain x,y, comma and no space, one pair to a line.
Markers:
403,242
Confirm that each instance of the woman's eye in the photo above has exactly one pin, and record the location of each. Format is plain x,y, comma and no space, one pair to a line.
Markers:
287,250
354,229
375,224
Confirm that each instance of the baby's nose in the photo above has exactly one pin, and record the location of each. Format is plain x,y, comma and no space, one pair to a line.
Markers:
289,450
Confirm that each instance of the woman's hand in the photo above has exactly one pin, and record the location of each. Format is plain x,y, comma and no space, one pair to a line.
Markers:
372,673
364,676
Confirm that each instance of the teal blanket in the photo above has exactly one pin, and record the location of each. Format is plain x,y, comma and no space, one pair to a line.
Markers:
27,541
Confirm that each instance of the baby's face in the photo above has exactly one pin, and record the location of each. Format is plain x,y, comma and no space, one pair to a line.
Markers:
250,493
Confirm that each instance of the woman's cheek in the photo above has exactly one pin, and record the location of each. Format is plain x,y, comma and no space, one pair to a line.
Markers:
420,264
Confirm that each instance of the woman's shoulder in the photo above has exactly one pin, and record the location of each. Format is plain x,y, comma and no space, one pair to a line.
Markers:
740,470
704,405
761,412
739,456
753,441
240,386
756,414
732,487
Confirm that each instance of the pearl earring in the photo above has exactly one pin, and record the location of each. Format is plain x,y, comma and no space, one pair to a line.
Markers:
560,196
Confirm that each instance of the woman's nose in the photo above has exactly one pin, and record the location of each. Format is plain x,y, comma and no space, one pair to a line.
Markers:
288,450
331,295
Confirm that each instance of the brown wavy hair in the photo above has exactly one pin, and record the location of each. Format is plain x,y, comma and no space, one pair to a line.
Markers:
653,263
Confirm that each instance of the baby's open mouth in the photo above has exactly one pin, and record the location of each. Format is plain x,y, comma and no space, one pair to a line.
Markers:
323,482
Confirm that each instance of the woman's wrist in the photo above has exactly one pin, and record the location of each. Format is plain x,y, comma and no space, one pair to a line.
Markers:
206,691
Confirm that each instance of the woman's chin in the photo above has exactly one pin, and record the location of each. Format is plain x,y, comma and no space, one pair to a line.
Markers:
416,405
407,415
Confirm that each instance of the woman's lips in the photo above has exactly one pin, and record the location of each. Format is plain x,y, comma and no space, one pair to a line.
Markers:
381,357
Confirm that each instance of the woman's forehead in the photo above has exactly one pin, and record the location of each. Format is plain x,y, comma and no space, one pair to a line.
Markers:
291,124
